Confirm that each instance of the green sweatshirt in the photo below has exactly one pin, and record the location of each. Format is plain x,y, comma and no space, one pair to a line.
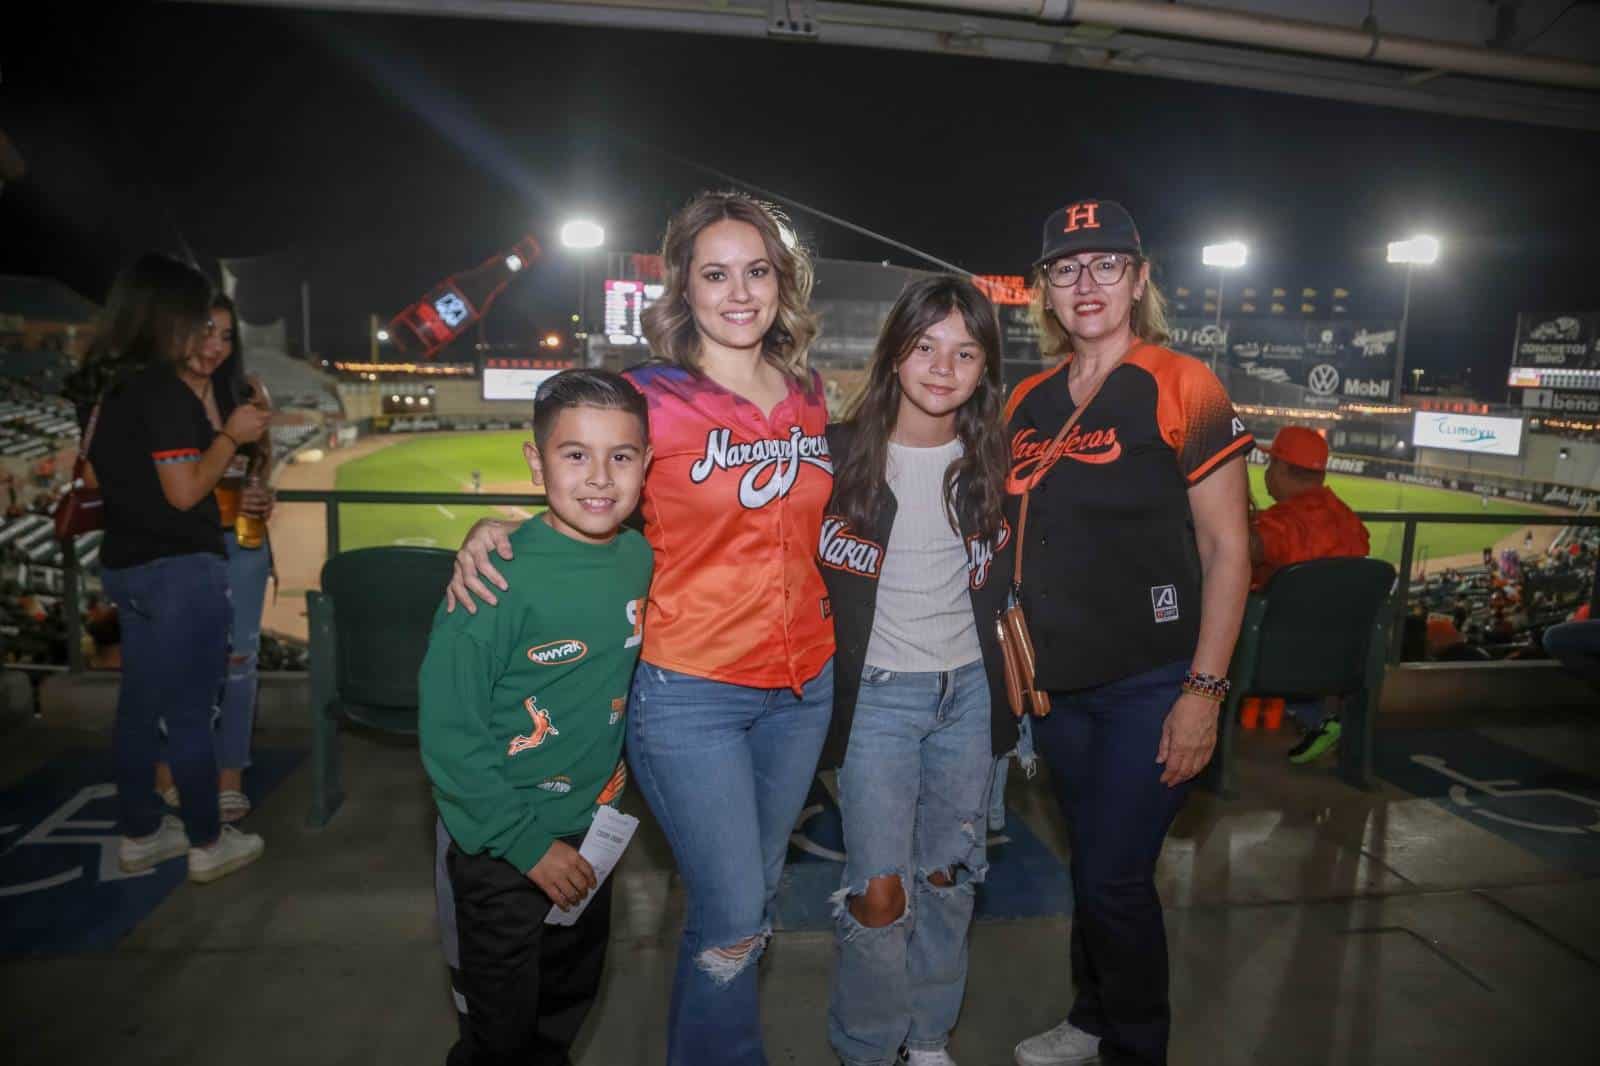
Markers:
522,704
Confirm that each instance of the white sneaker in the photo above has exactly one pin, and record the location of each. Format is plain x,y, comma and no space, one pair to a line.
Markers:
1065,1045
232,851
929,1058
142,853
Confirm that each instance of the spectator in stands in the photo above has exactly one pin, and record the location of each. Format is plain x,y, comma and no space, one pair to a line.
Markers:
1306,521
248,568
1135,569
157,461
1576,643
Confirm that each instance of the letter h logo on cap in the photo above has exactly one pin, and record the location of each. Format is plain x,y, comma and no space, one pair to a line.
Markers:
1083,215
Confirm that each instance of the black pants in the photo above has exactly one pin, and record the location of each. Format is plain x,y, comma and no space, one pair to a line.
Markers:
526,986
1100,745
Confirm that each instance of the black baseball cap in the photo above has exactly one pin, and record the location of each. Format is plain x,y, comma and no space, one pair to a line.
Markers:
1089,226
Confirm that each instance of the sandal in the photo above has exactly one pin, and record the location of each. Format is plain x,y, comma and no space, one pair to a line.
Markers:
233,805
169,796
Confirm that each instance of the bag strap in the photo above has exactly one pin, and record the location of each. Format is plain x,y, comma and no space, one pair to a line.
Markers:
87,440
1022,517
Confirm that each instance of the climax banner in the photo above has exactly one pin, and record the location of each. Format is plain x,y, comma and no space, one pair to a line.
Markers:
1331,360
1560,340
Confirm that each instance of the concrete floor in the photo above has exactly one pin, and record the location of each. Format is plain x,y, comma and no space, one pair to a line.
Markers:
1310,923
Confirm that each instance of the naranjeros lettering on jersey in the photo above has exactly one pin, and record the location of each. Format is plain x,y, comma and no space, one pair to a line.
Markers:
732,506
1111,577
770,466
843,550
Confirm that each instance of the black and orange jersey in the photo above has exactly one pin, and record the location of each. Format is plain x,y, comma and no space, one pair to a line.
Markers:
1111,573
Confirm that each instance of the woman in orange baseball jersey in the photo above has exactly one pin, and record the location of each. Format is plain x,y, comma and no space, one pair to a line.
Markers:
732,696
1136,563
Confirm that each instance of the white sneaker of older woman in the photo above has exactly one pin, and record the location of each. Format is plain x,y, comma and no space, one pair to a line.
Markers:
1065,1045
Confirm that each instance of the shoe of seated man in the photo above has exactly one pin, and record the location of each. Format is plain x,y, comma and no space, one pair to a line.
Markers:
1316,743
1065,1045
135,854
232,851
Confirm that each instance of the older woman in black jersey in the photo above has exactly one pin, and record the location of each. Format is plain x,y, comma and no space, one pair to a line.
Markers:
1135,569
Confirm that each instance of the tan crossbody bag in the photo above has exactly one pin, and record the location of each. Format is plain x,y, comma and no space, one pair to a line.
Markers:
1016,645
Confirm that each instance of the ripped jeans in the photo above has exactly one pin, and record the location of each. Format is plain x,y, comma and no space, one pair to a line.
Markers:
725,769
248,569
914,793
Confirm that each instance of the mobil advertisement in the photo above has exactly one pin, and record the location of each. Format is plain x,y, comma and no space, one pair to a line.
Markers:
1345,359
1482,434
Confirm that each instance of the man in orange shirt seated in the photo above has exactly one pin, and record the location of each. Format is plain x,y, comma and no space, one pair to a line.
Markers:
1306,521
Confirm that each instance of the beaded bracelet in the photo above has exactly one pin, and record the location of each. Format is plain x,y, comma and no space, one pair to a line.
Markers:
1206,686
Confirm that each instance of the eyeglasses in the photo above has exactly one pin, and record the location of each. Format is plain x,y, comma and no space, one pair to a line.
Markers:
1105,270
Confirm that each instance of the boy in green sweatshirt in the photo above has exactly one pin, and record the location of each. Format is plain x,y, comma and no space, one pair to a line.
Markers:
521,722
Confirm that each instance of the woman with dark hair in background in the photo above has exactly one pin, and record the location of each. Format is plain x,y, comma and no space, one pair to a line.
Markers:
248,568
157,460
1136,564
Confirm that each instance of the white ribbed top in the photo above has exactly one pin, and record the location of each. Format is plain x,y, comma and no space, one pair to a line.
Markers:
924,614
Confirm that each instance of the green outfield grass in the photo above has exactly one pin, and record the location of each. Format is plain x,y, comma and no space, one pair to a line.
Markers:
1439,541
444,463
431,462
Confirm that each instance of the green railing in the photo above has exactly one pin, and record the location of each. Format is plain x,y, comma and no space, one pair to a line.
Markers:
333,501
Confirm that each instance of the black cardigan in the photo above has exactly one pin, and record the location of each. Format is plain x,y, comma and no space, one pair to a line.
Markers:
851,560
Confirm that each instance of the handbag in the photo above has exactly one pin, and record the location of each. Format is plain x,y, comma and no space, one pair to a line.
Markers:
1011,622
81,510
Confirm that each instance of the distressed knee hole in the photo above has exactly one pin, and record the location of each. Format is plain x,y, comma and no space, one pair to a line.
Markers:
723,964
877,903
957,876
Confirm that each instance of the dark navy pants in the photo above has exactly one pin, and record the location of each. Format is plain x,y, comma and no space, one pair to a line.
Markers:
1100,745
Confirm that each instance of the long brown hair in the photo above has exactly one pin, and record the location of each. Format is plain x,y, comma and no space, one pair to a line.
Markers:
1148,316
974,484
669,324
156,307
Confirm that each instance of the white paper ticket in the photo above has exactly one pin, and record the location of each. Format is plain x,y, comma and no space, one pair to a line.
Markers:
603,845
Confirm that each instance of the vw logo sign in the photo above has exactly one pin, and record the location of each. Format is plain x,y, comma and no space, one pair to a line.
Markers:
1323,379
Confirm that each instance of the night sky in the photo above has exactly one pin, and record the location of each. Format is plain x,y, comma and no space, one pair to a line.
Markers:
376,155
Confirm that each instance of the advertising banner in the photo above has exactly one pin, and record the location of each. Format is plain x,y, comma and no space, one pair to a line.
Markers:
1558,340
1482,434
1331,360
1459,481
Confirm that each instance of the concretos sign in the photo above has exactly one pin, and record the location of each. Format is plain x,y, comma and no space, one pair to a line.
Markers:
1567,340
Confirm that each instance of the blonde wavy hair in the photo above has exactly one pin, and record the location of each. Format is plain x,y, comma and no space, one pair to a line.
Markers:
1149,315
669,323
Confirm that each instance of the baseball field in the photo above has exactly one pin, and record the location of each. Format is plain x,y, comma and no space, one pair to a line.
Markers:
445,462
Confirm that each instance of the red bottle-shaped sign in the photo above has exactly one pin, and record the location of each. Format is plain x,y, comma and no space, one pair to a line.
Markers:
452,307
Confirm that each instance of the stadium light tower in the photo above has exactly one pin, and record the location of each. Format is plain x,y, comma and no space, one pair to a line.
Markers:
583,235
1229,255
1421,250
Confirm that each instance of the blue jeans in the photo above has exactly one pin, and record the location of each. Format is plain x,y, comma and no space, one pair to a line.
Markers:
247,580
1577,645
174,618
1100,745
726,770
914,792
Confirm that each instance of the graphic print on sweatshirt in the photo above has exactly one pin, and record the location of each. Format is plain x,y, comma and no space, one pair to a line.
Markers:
542,728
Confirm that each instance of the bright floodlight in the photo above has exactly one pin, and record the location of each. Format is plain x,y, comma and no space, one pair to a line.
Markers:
1226,254
1420,249
383,336
582,233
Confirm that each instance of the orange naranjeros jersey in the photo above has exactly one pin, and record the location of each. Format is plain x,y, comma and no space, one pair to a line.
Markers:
733,507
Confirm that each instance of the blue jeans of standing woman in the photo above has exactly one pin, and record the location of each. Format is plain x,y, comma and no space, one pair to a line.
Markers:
914,792
247,579
174,617
1100,745
726,770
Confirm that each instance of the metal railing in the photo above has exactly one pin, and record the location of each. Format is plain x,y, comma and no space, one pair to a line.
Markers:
333,499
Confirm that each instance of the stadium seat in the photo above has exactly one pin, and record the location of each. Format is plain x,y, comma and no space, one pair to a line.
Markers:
1319,628
369,630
